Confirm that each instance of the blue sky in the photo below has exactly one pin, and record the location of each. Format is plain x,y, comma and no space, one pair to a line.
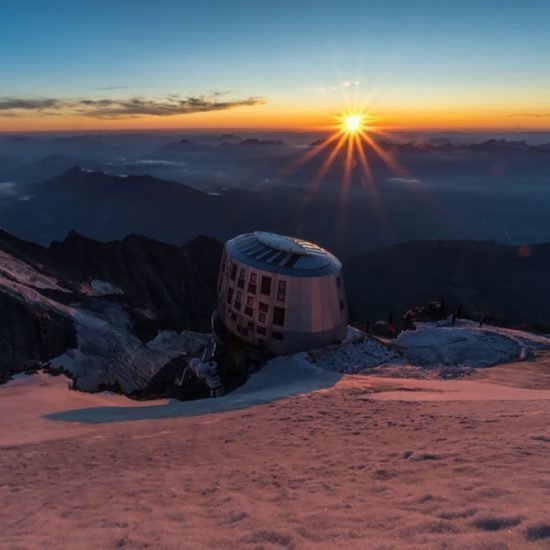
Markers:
412,52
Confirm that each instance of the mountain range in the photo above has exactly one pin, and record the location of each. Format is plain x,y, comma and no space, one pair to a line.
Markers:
108,207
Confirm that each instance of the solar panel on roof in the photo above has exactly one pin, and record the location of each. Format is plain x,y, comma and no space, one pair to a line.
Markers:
292,260
281,252
270,256
263,255
279,258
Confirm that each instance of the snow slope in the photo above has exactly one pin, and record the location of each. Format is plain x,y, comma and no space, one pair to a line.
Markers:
341,467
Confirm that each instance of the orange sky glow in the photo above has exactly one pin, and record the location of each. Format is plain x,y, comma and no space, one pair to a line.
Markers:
285,116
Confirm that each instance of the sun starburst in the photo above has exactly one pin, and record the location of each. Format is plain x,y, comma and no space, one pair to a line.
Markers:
353,144
353,123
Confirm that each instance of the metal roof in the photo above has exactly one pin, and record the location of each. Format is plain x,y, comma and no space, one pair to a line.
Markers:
282,254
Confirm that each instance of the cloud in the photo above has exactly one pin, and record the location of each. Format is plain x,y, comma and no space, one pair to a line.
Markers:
169,105
18,104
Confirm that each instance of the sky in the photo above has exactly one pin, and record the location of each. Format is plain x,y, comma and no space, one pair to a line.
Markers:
136,64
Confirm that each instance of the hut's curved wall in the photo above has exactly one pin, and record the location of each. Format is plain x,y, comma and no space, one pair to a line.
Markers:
284,299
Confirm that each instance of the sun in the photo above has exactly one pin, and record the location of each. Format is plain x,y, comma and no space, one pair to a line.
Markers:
353,124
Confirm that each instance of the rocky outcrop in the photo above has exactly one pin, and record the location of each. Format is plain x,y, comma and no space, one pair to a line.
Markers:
163,384
110,314
30,335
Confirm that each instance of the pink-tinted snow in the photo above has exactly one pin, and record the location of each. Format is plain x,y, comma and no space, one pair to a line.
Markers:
360,462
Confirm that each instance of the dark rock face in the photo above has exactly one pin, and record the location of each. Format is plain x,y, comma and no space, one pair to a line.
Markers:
162,385
506,282
29,335
173,286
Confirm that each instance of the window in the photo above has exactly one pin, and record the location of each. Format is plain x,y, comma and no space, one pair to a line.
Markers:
277,335
229,295
239,295
248,311
233,271
266,285
253,278
240,282
237,305
261,317
341,304
281,291
250,301
338,281
252,288
261,330
264,307
279,316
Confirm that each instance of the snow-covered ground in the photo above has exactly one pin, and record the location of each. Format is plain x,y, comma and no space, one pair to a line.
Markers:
12,269
358,353
433,350
340,461
465,345
23,282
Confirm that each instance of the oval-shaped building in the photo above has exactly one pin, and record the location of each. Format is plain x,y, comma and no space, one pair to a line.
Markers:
281,293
